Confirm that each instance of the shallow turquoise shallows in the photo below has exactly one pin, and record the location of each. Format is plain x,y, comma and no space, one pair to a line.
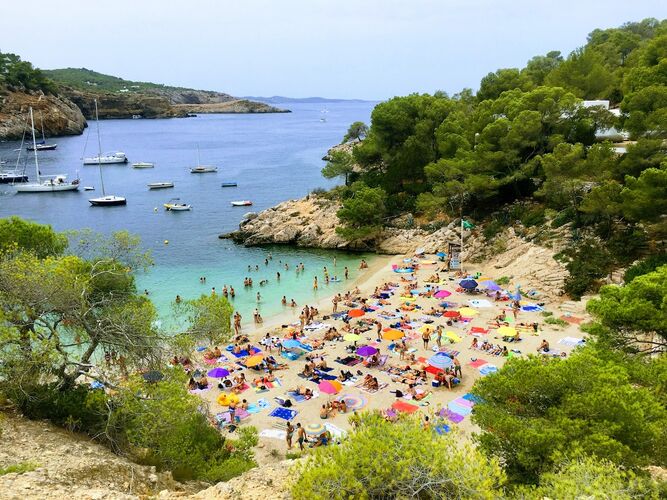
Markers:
272,158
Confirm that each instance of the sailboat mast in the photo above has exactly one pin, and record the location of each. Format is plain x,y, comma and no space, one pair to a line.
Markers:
41,119
34,146
99,148
198,159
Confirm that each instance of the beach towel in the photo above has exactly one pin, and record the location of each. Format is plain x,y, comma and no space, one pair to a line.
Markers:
477,363
488,369
369,391
284,413
531,308
295,396
335,431
453,416
404,407
474,330
273,434
471,397
441,429
479,303
464,402
210,361
245,352
460,409
571,341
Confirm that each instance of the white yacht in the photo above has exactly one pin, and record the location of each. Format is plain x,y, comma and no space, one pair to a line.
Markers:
106,159
52,184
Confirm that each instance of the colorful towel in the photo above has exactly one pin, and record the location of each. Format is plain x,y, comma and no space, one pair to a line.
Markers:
404,407
284,413
453,416
477,363
460,409
471,397
488,369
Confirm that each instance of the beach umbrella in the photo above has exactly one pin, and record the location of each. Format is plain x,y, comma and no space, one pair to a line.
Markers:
355,313
468,311
453,337
291,343
218,373
254,360
353,402
330,386
468,284
315,429
392,334
352,337
153,376
452,314
491,285
441,361
441,254
442,294
366,351
426,329
507,330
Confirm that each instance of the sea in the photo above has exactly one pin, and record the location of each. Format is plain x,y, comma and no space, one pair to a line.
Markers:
272,157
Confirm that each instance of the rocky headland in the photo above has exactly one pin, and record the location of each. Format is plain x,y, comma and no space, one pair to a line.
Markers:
59,115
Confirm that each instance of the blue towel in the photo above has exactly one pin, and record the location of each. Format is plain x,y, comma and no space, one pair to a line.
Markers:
471,397
460,409
284,413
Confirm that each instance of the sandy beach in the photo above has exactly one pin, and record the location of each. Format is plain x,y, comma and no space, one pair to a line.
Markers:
475,363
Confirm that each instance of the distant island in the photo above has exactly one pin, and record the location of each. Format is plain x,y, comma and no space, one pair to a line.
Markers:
278,99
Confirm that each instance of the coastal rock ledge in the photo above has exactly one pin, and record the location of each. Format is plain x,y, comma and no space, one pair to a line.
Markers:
311,222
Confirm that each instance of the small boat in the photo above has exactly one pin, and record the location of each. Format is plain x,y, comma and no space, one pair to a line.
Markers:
89,188
243,203
137,117
160,185
203,169
106,159
42,147
177,207
143,164
229,184
108,201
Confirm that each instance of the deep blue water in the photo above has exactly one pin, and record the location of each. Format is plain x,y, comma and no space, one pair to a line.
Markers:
273,157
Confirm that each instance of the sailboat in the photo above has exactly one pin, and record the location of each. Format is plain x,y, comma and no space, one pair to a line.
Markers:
202,169
42,146
106,200
14,176
54,184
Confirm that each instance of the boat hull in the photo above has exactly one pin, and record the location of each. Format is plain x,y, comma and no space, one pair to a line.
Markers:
241,203
46,188
229,184
108,201
10,179
44,147
161,185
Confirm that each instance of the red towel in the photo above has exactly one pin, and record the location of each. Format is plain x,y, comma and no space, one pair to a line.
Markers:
404,407
479,329
433,370
477,363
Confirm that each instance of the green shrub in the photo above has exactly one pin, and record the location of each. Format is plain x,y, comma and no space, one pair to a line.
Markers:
563,217
555,321
645,266
492,229
533,217
19,468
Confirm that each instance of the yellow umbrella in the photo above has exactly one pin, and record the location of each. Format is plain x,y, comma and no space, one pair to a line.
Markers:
392,334
426,329
351,337
468,311
507,330
453,337
254,360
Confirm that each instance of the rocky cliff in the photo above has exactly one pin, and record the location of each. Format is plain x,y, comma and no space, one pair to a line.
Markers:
59,114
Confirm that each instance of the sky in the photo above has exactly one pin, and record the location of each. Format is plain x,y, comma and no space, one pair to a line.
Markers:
367,49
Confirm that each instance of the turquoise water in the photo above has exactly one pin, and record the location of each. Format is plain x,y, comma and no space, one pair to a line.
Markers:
273,157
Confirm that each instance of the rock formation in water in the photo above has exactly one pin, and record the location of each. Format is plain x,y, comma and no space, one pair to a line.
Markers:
59,115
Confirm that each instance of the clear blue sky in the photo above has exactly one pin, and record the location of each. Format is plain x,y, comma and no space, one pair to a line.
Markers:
371,49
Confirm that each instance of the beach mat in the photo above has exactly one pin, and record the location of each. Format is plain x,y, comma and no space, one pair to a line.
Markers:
284,413
477,363
404,407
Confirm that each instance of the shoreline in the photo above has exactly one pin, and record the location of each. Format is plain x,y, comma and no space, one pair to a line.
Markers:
322,304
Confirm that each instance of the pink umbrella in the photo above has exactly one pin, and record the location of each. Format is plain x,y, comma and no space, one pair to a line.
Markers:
441,294
330,386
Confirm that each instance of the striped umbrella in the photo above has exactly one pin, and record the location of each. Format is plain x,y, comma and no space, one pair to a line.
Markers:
330,386
314,429
352,401
441,361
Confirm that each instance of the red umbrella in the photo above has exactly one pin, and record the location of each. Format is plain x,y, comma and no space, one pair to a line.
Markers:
452,314
355,313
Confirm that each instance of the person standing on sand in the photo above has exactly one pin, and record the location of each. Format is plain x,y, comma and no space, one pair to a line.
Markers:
426,336
378,326
300,435
290,433
457,368
438,338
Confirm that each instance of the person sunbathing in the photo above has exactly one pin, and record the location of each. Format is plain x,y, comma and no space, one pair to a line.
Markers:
474,344
324,412
417,396
237,349
303,391
367,380
202,383
373,385
346,375
322,365
308,370
544,346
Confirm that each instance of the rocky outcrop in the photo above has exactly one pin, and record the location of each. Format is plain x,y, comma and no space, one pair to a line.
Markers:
67,465
233,106
59,114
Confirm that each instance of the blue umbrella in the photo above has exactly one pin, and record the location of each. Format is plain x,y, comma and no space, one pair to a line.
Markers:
491,285
218,373
468,284
440,360
291,344
441,254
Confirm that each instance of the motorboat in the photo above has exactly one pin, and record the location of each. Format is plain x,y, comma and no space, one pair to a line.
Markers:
106,159
45,184
243,203
229,184
42,147
106,200
143,164
109,200
9,177
89,188
177,207
160,185
203,169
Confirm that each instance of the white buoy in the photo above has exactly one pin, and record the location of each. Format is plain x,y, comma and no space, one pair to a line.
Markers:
166,242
